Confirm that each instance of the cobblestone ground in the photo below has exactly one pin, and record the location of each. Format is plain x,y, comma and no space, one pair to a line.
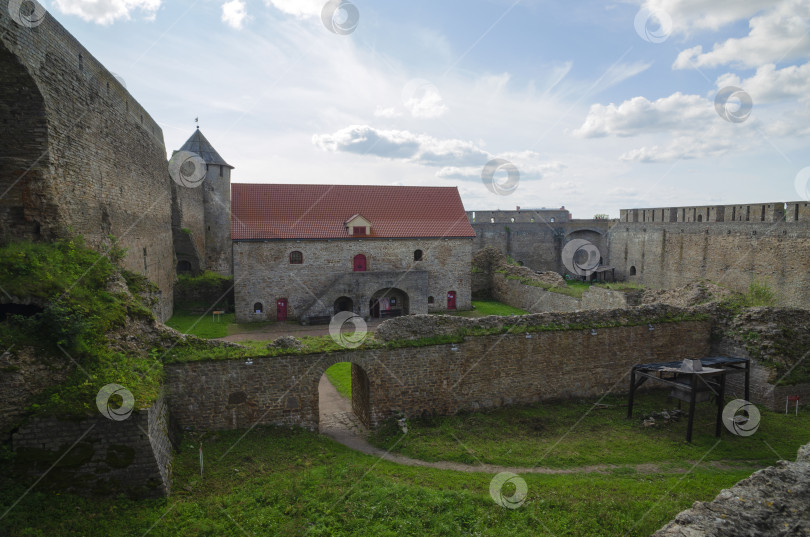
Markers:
336,416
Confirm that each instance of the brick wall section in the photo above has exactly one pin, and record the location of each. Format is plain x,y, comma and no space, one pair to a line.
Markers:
669,255
133,456
485,372
263,273
98,159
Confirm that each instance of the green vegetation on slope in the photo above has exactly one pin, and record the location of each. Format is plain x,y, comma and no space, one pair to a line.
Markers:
340,375
551,435
282,481
70,282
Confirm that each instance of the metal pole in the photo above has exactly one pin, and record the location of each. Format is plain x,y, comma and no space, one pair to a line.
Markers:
693,386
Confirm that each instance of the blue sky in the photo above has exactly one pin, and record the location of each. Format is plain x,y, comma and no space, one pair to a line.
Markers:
599,105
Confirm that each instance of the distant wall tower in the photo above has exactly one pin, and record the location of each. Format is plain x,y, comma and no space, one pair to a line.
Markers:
202,226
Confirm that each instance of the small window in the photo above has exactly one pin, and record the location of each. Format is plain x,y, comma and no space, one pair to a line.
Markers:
700,218
431,300
512,219
359,230
183,266
491,220
531,220
220,170
552,219
633,270
296,258
258,307
417,255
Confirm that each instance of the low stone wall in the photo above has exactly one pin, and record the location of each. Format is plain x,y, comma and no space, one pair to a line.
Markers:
771,502
98,455
530,298
481,372
599,298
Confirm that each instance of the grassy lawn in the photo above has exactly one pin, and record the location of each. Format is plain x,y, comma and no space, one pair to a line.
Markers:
541,435
291,482
482,308
199,325
340,375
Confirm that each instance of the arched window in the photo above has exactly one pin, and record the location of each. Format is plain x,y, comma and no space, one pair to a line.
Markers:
492,220
183,266
700,218
258,307
417,255
633,270
552,219
296,258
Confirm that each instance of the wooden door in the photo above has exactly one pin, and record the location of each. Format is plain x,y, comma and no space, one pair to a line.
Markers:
359,263
451,300
281,309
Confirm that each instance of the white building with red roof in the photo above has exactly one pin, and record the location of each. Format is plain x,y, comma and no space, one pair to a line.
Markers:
306,252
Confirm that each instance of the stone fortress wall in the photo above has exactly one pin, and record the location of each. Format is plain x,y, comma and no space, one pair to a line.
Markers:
78,154
733,245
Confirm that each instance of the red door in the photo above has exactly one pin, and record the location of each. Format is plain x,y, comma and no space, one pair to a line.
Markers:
451,300
281,309
359,263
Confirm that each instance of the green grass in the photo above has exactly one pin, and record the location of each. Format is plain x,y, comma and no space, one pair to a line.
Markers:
482,308
542,435
70,281
340,375
200,325
291,482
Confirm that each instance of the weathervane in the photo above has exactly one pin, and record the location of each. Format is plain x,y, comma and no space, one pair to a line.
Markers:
197,121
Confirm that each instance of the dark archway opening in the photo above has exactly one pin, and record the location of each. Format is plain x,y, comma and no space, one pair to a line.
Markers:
23,151
183,267
633,271
344,399
11,308
344,303
386,303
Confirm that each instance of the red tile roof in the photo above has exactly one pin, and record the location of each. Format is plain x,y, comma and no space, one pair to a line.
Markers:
262,211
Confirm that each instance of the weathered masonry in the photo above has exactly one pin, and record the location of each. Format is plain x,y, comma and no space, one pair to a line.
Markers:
308,252
441,379
78,155
732,245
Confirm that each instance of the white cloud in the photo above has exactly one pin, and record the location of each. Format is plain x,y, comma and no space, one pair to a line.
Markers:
780,34
107,11
426,104
683,147
770,84
389,112
298,8
397,144
690,15
639,115
234,13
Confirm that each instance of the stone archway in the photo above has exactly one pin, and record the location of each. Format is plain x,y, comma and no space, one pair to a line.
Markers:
389,302
344,303
337,413
23,152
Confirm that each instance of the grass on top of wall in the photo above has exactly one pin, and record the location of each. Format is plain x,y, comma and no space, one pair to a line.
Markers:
288,481
483,308
191,351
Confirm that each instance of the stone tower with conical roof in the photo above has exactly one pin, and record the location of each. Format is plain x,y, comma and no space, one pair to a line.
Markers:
201,222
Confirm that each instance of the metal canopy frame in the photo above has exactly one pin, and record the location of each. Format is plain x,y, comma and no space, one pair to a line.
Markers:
711,378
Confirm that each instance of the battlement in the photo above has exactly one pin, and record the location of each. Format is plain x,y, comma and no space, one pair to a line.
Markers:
520,216
792,211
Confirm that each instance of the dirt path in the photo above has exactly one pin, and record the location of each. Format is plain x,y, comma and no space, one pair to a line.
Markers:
338,422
